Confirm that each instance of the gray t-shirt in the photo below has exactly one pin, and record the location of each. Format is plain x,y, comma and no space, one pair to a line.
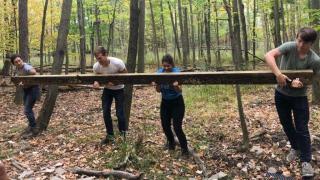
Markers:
24,71
290,61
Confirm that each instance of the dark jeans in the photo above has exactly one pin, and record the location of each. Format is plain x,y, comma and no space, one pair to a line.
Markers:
30,97
107,98
296,128
173,109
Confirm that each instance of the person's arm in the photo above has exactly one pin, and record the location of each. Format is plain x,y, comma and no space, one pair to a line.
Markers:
95,68
270,58
32,71
124,71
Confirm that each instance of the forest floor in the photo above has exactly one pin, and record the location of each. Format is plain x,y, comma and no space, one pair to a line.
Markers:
211,125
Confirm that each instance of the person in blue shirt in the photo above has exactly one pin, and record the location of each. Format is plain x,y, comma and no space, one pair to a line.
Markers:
172,107
30,95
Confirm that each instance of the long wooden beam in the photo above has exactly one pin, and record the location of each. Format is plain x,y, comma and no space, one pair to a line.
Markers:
221,77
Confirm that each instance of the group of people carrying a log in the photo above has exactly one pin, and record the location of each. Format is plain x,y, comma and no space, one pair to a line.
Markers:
290,96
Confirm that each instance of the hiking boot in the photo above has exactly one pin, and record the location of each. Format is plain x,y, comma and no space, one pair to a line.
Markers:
27,130
307,170
170,146
185,153
107,140
293,155
35,131
30,132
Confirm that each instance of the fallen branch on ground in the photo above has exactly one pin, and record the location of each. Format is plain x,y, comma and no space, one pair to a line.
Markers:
114,173
131,153
196,158
18,165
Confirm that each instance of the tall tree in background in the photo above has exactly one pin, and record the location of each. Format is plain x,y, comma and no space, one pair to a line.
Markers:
154,35
183,36
97,24
82,37
315,7
193,44
9,36
218,61
174,31
237,56
207,28
276,19
23,30
43,27
111,28
244,34
132,53
141,36
23,42
254,35
163,27
51,96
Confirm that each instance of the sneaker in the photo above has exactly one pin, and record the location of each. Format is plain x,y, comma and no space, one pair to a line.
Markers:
170,146
35,131
185,153
307,169
30,132
27,130
107,140
293,155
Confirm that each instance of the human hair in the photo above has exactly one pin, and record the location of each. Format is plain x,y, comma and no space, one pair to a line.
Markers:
13,57
168,59
307,34
102,50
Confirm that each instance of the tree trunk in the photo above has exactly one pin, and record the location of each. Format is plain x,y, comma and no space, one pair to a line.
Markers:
218,62
163,27
97,25
284,30
193,45
186,34
315,5
254,36
23,30
82,37
92,49
174,31
43,27
244,34
207,33
182,36
141,36
23,42
66,65
237,56
155,44
276,16
51,96
132,53
111,26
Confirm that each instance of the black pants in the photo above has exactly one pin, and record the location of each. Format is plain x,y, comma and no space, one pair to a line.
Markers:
296,128
107,98
173,109
30,96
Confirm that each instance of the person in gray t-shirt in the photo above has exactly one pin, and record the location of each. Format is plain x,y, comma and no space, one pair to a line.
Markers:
30,95
291,96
